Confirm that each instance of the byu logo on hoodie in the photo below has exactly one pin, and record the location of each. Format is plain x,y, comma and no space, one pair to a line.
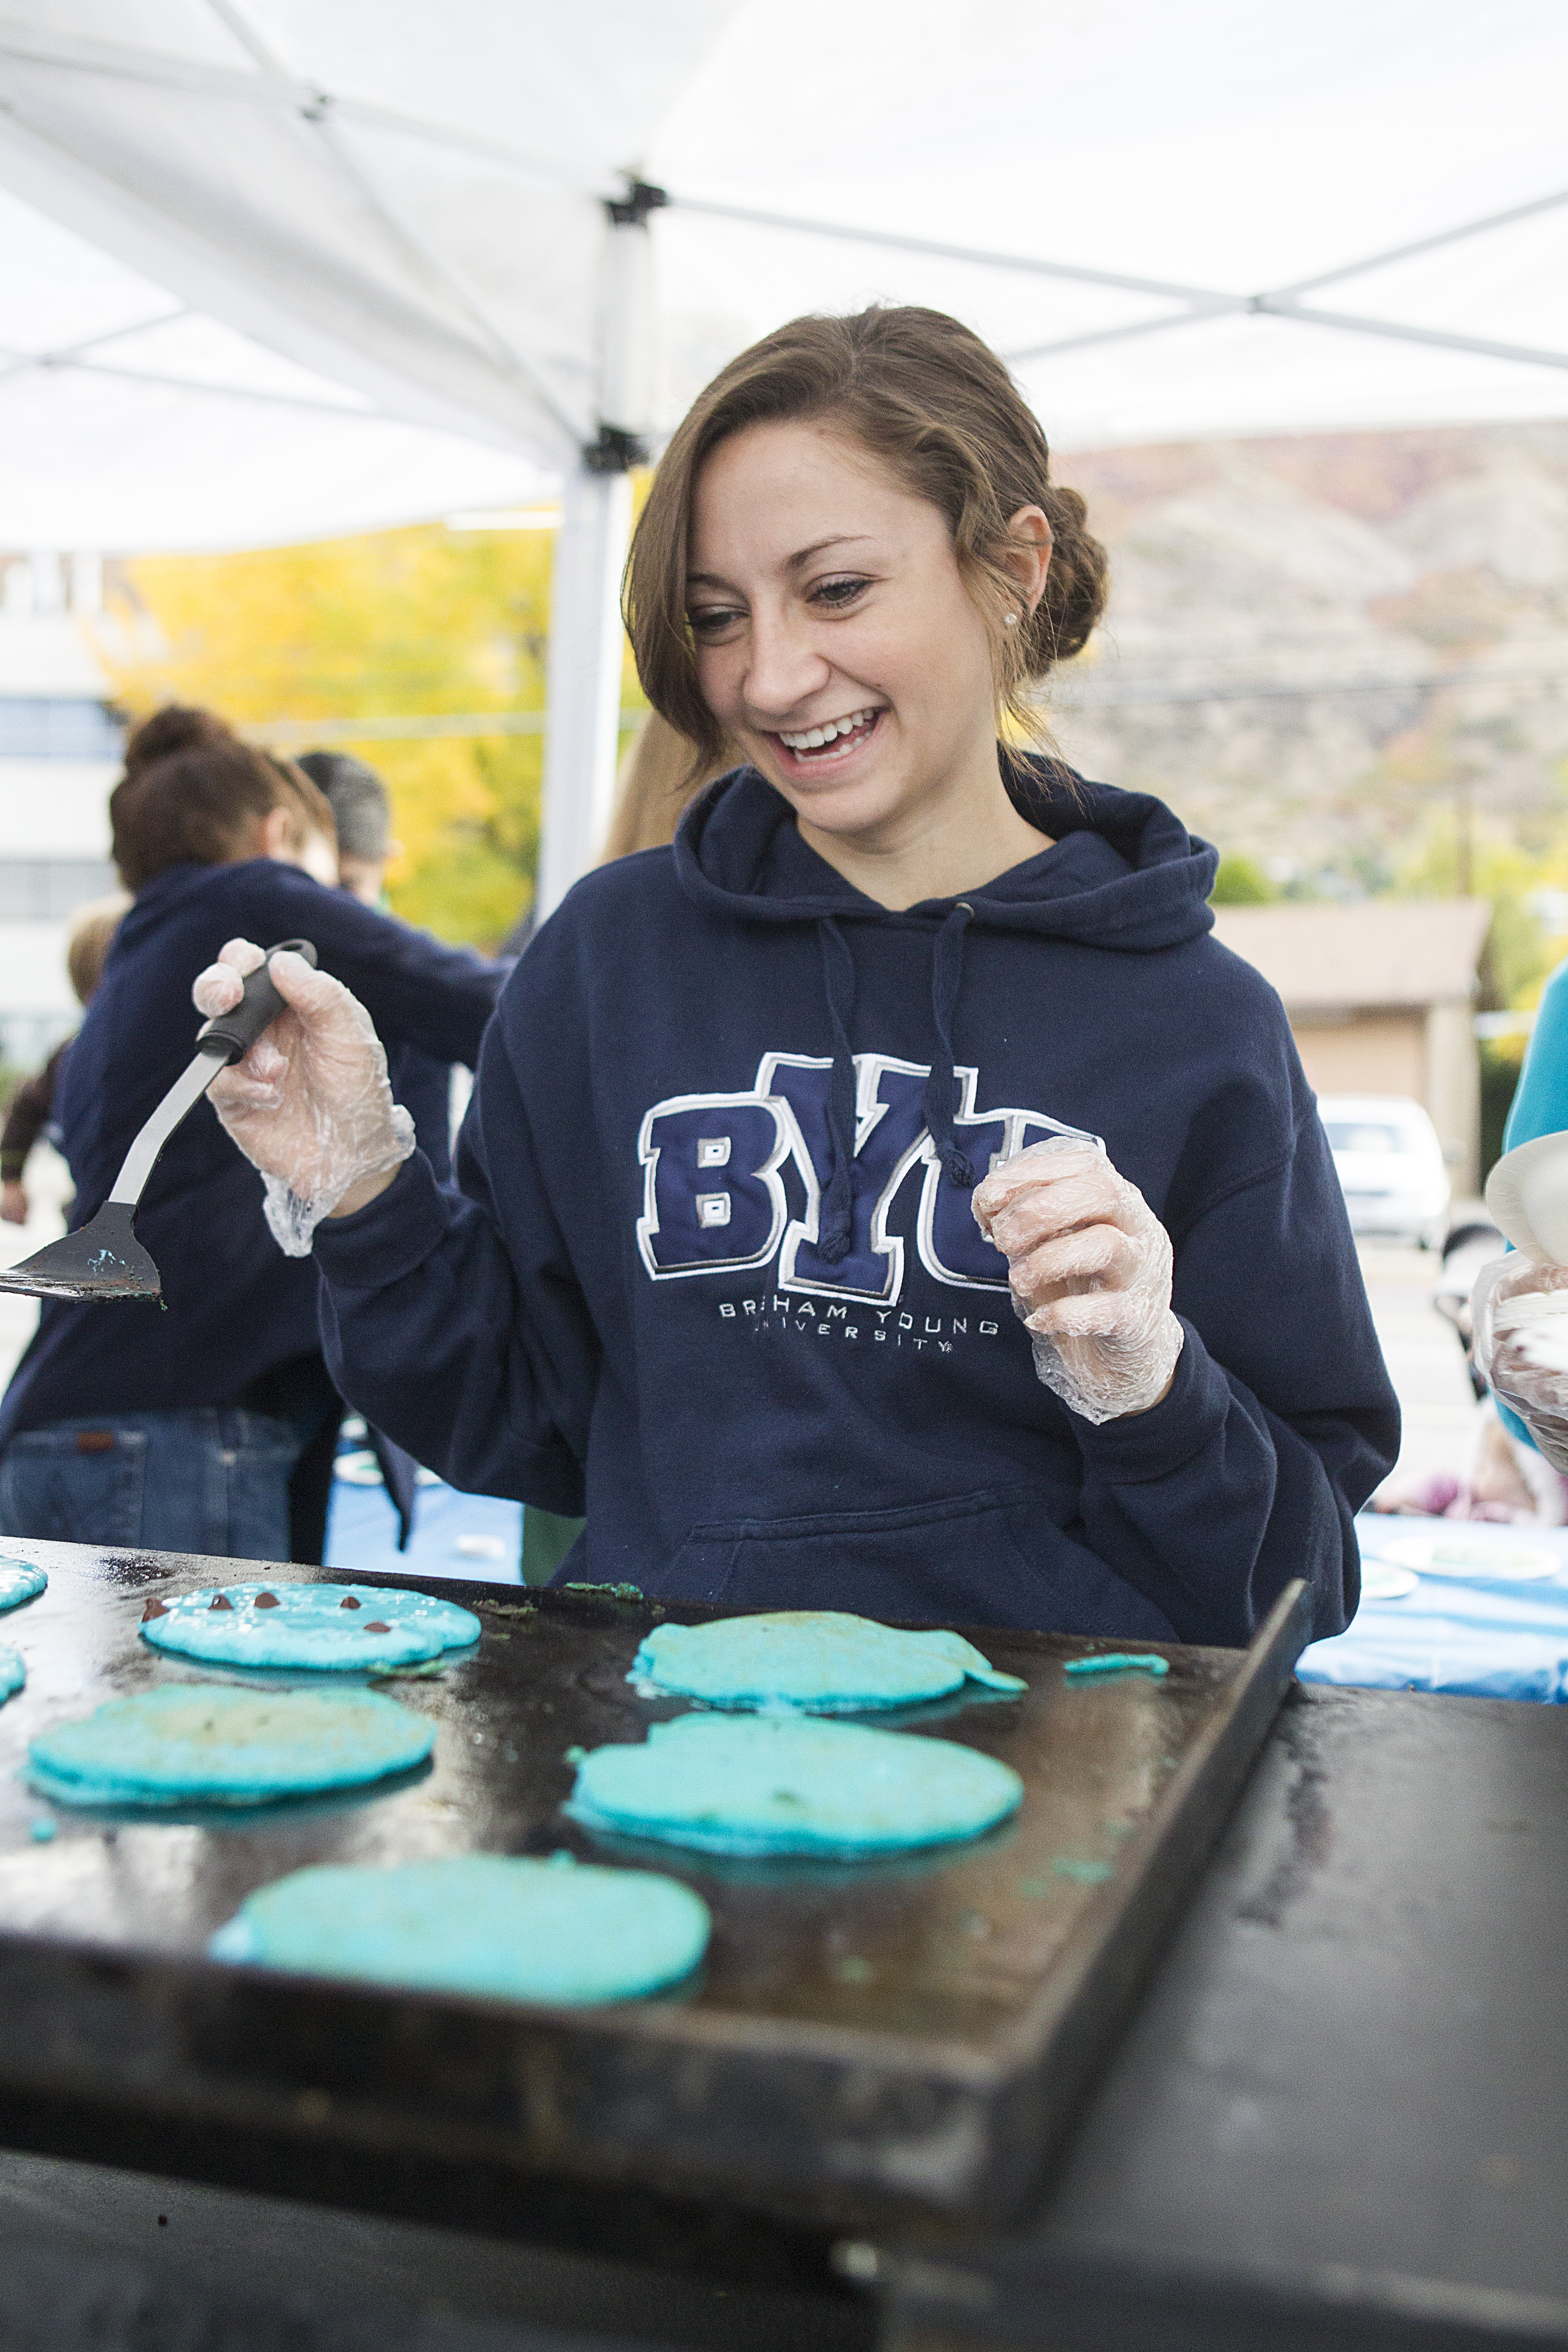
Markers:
717,1198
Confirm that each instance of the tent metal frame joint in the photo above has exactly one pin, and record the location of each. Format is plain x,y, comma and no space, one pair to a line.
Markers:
642,197
616,451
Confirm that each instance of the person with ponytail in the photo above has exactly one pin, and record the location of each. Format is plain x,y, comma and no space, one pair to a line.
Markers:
206,1424
890,1197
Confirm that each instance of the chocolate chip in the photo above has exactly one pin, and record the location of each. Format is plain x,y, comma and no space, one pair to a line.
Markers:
348,1602
378,1628
153,1609
267,1601
220,1600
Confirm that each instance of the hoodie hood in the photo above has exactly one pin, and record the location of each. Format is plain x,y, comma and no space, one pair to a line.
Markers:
1121,872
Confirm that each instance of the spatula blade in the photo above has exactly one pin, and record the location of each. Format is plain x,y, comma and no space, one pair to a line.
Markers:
104,1260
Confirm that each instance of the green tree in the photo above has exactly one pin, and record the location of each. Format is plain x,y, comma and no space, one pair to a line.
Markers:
1241,882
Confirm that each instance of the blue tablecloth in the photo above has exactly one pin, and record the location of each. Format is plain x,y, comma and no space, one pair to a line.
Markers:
1490,1640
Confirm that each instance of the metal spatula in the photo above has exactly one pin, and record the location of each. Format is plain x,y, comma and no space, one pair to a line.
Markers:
105,1260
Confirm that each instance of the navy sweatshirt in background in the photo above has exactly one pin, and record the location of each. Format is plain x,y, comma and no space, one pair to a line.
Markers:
713,1274
237,1309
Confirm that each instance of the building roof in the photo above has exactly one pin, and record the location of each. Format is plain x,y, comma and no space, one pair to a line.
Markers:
1378,951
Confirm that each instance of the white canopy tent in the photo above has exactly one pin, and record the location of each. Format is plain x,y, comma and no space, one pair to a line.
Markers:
279,268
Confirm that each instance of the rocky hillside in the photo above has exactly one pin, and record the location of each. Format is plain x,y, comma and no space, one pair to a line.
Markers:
1324,650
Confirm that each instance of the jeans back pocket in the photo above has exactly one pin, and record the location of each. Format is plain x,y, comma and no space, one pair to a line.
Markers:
76,1483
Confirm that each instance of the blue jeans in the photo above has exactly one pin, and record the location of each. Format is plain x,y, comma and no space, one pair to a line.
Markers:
201,1481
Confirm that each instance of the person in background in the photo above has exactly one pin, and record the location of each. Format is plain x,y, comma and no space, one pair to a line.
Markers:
362,810
87,944
204,1424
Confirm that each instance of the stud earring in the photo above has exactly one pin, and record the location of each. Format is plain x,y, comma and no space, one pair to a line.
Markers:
1011,620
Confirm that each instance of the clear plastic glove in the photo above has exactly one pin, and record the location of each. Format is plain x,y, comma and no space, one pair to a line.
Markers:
1090,1267
1520,1313
310,1103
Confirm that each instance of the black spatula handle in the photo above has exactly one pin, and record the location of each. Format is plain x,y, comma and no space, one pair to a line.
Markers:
239,1030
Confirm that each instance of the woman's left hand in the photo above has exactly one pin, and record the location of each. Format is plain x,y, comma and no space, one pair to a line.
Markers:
1090,1267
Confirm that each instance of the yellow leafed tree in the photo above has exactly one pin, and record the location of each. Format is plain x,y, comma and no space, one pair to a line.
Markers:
396,624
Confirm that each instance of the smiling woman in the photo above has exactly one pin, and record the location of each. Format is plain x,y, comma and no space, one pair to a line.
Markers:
890,1198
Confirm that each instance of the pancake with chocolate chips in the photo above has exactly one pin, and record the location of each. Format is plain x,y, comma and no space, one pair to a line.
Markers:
325,1628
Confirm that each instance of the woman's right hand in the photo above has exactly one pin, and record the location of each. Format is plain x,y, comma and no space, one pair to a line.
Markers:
1519,1315
310,1103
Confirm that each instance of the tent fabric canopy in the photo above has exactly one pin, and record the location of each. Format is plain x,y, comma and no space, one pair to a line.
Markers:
376,236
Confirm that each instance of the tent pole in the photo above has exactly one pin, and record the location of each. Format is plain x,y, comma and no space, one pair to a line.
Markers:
584,687
581,728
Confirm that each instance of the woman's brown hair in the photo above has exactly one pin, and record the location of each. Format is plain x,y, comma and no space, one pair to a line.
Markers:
659,776
194,794
938,406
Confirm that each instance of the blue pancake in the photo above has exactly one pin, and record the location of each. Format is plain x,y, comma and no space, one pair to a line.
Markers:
480,1924
19,1581
323,1628
821,1660
13,1674
211,1743
781,1784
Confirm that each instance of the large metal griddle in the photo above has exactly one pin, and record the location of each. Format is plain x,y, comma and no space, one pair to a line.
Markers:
897,2041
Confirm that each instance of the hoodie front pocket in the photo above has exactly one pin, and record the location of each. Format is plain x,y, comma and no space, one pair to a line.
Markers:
992,1557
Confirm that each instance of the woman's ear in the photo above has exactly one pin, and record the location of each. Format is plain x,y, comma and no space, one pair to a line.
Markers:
1027,552
277,837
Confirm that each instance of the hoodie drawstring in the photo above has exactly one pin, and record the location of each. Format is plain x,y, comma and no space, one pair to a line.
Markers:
838,1201
940,1102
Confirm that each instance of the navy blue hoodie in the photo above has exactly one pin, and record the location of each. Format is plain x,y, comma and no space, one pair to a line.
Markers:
713,1272
237,1311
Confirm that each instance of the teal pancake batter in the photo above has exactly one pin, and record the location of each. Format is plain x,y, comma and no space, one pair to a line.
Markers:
13,1674
780,1784
481,1924
325,1628
214,1744
19,1581
821,1660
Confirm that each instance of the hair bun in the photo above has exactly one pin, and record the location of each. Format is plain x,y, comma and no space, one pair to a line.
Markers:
178,727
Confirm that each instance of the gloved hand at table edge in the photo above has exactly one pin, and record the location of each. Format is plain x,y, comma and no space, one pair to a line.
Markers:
310,1105
1520,1313
1090,1267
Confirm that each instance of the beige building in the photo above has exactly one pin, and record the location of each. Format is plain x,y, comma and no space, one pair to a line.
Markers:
1382,1000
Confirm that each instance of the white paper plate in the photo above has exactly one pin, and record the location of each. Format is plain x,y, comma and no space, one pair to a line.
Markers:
1441,1552
1381,1582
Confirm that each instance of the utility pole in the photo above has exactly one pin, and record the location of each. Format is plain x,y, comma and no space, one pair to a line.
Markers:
582,720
